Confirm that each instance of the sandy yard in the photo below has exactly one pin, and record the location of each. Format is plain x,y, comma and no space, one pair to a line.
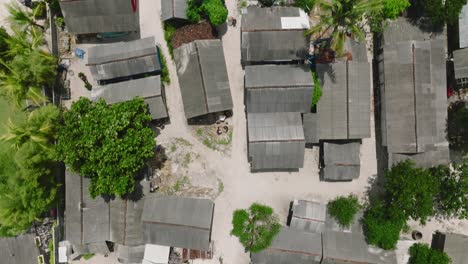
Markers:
210,169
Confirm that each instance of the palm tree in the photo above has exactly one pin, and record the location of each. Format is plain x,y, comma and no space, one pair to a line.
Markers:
342,19
22,18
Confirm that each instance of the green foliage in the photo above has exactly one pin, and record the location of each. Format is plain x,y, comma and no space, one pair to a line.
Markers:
441,11
380,228
59,22
305,5
423,254
411,191
255,227
216,11
40,10
343,18
169,31
267,3
393,8
4,36
457,126
343,209
21,18
87,256
452,200
51,250
107,143
165,77
193,11
317,90
54,5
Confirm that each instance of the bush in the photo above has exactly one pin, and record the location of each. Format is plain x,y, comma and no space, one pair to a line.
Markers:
165,78
216,11
394,8
305,5
452,200
4,37
193,11
59,22
423,254
317,90
169,31
343,209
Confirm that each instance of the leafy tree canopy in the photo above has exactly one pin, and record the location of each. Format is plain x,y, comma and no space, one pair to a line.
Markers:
423,254
343,209
442,11
255,227
305,5
107,143
214,10
393,8
452,200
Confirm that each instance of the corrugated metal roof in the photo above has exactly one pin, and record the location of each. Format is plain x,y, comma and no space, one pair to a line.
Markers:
125,222
148,88
123,59
460,60
342,247
178,221
256,18
456,247
126,254
355,227
308,216
405,29
278,88
463,27
310,128
203,79
291,246
276,141
18,250
173,9
98,16
344,108
341,160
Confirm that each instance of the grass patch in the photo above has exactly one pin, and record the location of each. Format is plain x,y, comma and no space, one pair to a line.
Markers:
165,78
187,160
87,256
169,31
180,184
199,132
317,89
52,253
183,142
225,141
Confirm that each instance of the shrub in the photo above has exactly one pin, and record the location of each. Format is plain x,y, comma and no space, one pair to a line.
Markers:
165,78
452,200
169,31
59,22
343,209
423,254
216,11
305,5
394,8
193,11
317,90
4,37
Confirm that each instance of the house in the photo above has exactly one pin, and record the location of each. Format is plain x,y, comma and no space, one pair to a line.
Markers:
19,250
274,34
455,245
341,161
178,222
308,216
412,80
173,10
278,88
460,61
275,141
148,88
124,60
463,27
352,248
100,16
291,246
203,78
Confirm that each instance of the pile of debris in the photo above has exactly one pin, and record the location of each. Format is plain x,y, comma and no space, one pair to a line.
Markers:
189,33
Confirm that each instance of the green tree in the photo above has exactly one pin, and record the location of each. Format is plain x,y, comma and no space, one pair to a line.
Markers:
393,8
40,127
317,89
343,18
411,191
4,37
343,209
305,5
423,254
442,11
255,227
215,11
107,143
452,200
457,126
21,17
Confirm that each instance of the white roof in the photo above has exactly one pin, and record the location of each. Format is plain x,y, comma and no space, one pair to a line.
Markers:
155,254
62,253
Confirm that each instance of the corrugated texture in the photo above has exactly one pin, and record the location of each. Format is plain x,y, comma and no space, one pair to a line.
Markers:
148,88
276,141
460,59
341,248
278,88
358,99
357,49
270,46
427,159
456,247
127,254
404,29
291,246
18,250
98,16
125,222
355,227
463,27
308,216
178,221
202,73
341,161
256,18
123,59
173,9
72,208
310,128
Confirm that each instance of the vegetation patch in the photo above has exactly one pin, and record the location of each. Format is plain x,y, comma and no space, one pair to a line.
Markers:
87,256
423,254
317,89
305,5
209,137
169,31
213,10
165,77
343,209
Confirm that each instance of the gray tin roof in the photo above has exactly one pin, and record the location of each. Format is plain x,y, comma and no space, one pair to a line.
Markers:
291,246
126,227
463,27
178,221
278,88
344,108
404,29
99,16
123,59
18,250
310,128
308,216
276,141
455,245
148,88
126,254
350,248
413,96
267,37
341,161
203,78
357,49
173,9
460,60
